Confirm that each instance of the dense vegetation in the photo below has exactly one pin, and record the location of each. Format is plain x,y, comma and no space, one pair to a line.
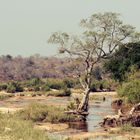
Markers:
122,60
130,89
37,112
24,68
125,67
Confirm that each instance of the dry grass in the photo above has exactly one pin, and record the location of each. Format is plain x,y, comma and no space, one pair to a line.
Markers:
13,128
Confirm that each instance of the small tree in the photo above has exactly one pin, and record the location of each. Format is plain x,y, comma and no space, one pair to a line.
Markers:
104,33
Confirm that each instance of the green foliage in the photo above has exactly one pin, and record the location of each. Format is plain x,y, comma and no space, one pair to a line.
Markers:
55,83
14,87
34,111
69,83
126,127
58,116
45,87
13,128
3,86
60,93
71,106
130,90
93,87
37,84
37,88
100,84
121,61
40,112
34,82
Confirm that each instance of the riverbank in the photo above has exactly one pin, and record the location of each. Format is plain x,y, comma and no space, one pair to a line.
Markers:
98,109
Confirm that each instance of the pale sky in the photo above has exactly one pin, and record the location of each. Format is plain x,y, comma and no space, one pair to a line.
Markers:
25,25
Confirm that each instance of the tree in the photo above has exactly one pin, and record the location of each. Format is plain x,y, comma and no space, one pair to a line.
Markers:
123,59
104,33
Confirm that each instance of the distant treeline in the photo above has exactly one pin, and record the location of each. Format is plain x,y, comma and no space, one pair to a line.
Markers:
24,68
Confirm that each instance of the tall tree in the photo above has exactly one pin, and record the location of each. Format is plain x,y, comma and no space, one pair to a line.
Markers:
104,32
123,59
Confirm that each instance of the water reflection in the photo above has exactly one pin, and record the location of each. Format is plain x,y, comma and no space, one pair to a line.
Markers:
97,111
83,126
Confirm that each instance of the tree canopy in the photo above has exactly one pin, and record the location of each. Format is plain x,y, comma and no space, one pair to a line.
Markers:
123,59
104,32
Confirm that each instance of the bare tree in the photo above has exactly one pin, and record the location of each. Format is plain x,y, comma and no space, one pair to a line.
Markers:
104,33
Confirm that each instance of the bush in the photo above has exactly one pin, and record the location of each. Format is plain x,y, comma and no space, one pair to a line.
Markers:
93,88
14,87
69,83
37,88
40,112
100,84
59,115
130,90
55,83
126,127
34,111
3,87
45,87
60,93
71,106
34,82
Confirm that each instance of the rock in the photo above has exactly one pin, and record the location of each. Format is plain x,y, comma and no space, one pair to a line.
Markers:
132,117
135,120
135,109
111,122
117,103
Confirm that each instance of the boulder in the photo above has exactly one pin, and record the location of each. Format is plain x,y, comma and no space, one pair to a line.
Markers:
117,103
132,117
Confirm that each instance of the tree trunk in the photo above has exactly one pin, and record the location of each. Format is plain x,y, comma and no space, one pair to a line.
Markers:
83,106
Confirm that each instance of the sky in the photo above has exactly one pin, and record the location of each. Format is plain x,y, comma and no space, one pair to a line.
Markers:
25,25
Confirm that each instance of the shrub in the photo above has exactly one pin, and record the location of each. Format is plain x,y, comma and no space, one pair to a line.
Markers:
59,115
93,87
40,112
45,87
11,88
101,85
3,87
34,111
37,88
60,93
34,82
69,83
71,106
130,90
14,87
66,92
126,127
55,83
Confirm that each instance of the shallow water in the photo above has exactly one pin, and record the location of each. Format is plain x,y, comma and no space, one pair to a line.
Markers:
98,109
